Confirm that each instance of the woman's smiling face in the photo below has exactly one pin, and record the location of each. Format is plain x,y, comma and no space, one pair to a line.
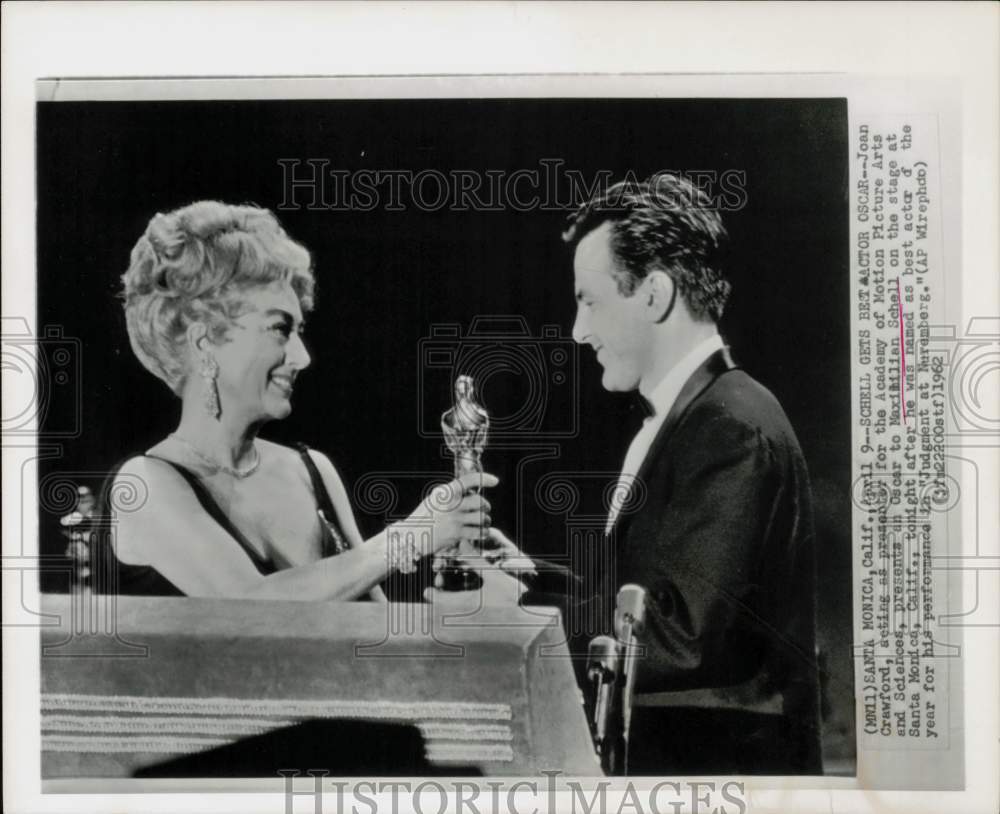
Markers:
261,354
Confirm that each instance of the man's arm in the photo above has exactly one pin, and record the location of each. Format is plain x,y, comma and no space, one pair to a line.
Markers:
697,555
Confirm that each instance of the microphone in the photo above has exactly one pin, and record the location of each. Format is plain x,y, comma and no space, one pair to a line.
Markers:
630,617
630,611
602,673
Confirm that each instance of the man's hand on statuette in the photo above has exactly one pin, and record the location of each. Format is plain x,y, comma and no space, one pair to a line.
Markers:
503,552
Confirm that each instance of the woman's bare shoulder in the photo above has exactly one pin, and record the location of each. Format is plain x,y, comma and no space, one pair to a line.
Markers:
146,488
289,456
281,461
278,451
149,467
326,468
146,497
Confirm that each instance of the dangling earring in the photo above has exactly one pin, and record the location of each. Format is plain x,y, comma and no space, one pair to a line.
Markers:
210,396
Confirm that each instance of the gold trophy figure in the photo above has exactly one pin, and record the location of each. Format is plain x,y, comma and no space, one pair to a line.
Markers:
465,427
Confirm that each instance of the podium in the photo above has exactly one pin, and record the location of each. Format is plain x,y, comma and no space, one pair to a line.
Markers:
180,687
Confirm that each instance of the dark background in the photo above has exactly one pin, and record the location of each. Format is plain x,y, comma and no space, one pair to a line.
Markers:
386,277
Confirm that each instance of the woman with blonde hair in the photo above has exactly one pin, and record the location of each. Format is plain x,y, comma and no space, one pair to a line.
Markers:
215,301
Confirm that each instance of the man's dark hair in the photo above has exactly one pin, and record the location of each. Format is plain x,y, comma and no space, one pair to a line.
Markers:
667,224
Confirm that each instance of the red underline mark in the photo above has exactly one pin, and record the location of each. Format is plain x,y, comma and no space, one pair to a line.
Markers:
902,351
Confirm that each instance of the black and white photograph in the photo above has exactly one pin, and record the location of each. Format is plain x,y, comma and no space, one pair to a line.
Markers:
589,354
507,440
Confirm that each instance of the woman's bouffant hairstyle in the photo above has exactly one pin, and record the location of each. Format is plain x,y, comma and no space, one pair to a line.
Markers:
191,265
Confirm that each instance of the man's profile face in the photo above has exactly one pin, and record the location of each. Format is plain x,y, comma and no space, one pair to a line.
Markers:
613,324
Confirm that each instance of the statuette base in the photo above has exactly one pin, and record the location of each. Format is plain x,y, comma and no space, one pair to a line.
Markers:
453,576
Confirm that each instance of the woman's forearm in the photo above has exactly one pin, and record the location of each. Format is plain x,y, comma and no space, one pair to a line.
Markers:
345,576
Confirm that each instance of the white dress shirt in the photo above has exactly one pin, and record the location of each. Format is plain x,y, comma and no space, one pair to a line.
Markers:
661,399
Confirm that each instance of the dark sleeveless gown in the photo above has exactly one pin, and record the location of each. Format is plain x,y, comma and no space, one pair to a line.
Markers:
144,580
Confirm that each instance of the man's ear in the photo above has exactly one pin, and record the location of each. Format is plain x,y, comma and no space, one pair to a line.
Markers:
660,292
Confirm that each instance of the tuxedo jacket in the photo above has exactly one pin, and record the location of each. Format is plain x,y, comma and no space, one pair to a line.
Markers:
720,534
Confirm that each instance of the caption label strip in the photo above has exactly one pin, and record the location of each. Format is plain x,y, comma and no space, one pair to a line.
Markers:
902,491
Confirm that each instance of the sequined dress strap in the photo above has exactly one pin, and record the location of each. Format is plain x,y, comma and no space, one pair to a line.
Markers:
334,540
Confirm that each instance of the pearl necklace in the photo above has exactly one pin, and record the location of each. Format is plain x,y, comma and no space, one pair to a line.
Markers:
236,472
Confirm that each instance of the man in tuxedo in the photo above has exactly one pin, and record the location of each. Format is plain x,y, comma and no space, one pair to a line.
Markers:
717,522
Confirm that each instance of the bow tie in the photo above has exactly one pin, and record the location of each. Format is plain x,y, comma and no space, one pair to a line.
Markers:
641,405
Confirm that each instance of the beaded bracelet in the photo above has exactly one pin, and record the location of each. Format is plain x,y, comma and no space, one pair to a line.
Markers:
401,553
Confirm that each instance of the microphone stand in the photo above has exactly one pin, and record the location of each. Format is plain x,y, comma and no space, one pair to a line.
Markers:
630,615
602,700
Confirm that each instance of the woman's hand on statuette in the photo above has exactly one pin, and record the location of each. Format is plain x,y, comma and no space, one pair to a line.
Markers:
456,511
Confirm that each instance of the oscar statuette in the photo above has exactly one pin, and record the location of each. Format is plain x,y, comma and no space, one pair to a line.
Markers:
465,427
